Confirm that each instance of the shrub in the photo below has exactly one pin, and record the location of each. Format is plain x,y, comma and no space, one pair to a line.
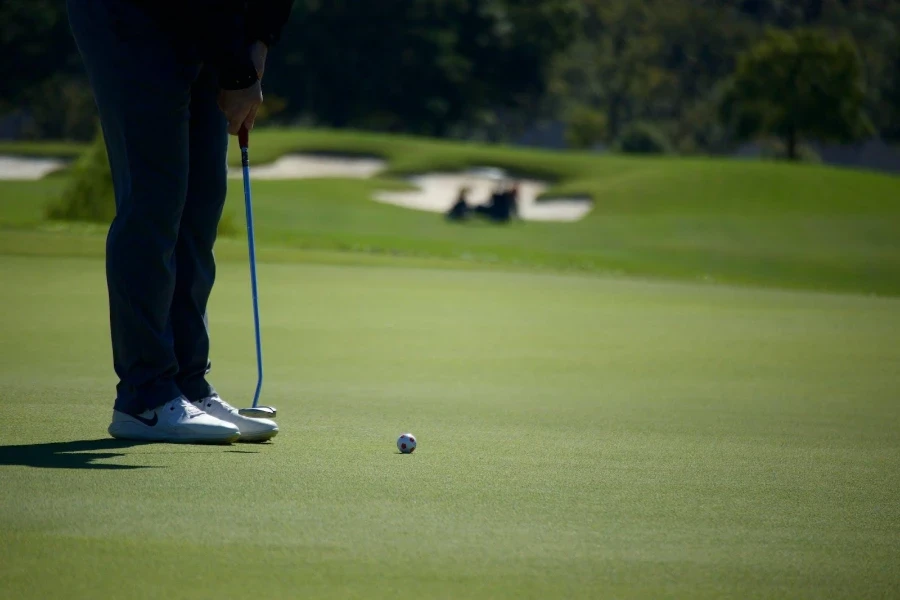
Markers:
643,138
775,149
89,195
585,127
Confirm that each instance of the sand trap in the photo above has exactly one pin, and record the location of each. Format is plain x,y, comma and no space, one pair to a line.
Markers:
26,168
294,166
438,191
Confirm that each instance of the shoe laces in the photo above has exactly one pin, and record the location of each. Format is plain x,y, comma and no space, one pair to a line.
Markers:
216,399
186,407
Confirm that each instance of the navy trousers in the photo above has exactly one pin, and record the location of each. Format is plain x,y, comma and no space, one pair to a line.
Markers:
167,142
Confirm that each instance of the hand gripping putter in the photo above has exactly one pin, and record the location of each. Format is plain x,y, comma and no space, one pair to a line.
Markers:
267,412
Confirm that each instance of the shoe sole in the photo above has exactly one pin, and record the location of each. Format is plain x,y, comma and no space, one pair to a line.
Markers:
123,433
256,438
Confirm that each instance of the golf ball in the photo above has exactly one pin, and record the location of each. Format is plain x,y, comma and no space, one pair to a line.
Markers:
406,443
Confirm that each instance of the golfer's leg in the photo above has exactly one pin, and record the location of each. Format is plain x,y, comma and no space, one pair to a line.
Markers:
142,89
196,266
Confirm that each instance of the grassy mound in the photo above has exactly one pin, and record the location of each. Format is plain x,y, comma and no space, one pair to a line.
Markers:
753,222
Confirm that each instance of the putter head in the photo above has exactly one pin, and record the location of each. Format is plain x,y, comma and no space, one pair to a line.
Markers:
260,412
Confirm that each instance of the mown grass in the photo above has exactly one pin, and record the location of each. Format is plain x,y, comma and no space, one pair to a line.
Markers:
43,149
757,223
579,437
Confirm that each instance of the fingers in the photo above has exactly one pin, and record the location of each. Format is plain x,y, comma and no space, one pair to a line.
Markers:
251,118
236,116
240,107
234,125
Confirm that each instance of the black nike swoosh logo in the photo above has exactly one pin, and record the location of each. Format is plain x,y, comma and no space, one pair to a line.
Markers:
146,421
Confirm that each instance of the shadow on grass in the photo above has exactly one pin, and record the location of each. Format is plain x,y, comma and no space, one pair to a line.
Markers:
62,455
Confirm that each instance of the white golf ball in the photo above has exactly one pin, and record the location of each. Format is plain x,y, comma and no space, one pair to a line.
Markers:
406,443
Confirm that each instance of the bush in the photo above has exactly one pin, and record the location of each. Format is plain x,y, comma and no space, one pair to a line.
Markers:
585,127
227,227
89,195
643,138
700,129
775,149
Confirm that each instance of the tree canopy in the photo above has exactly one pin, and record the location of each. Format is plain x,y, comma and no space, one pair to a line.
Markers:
799,84
490,69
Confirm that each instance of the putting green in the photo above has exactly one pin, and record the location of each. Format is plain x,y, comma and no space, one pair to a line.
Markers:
578,437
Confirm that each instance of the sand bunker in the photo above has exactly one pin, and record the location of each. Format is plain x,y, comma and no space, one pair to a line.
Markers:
26,168
438,191
294,166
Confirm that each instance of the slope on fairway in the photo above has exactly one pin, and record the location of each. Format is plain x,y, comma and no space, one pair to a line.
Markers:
579,437
799,226
806,226
746,224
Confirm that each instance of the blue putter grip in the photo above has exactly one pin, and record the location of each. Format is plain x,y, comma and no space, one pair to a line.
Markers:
244,142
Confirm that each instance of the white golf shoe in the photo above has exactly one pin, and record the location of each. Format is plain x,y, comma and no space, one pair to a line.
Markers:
175,421
252,429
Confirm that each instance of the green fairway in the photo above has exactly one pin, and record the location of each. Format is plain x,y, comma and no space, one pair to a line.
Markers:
578,437
712,220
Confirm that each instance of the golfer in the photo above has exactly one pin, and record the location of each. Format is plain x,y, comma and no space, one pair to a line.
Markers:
171,80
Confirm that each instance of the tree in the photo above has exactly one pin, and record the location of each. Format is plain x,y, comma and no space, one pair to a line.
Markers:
416,65
611,66
35,43
41,75
650,60
798,84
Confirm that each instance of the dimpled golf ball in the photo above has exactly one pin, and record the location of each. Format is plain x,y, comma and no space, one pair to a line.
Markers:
406,443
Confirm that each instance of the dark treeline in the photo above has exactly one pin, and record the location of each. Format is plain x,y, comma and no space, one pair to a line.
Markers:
685,75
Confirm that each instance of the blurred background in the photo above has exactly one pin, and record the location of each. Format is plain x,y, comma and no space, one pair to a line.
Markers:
813,80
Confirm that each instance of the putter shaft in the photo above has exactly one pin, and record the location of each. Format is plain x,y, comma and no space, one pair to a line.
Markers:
244,142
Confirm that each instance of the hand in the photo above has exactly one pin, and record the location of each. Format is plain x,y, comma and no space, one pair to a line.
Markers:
240,106
258,53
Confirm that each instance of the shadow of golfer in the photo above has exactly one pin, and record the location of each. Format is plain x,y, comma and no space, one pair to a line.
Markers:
64,455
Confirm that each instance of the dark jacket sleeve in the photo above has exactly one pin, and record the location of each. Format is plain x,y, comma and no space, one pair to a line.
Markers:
224,46
266,19
223,30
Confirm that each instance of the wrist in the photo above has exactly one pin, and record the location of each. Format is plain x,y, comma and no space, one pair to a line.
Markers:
238,76
266,39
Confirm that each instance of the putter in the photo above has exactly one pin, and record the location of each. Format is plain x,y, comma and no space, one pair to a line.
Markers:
265,412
